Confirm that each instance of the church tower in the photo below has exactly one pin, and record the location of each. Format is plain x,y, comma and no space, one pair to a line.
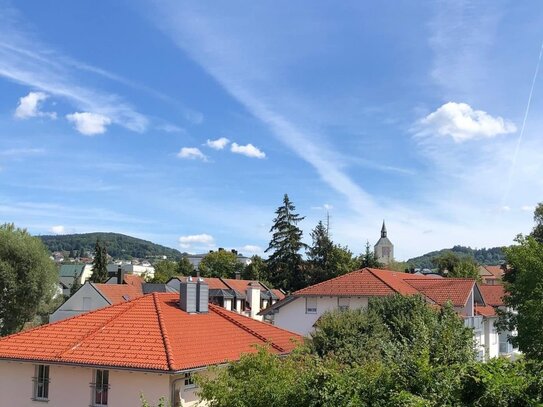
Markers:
384,249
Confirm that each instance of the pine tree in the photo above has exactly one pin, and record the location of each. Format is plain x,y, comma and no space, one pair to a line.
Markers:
368,258
319,255
285,263
76,284
99,263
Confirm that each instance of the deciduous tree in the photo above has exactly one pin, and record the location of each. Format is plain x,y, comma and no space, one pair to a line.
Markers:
27,277
220,263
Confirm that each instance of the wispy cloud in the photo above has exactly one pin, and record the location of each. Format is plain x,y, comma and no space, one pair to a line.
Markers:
247,150
58,230
252,249
23,59
218,144
29,106
20,152
88,123
461,122
192,153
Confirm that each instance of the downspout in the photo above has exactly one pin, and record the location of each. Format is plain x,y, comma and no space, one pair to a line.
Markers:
172,391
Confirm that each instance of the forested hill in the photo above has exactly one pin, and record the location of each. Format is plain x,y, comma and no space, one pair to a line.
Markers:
489,257
118,245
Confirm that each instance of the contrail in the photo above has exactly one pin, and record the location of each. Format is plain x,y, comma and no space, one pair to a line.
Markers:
519,140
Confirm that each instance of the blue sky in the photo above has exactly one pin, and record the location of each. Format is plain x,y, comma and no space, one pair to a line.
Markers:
185,122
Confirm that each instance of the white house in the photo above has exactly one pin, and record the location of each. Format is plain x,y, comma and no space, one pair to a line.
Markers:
300,311
68,273
151,345
144,270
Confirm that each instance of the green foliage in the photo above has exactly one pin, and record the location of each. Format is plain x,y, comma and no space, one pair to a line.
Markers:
185,267
256,270
501,383
455,266
492,256
119,246
220,263
76,284
537,232
99,263
326,260
285,262
398,352
368,259
524,283
27,278
164,270
161,402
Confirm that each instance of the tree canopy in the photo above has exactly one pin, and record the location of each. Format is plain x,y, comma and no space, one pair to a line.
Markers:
452,265
285,261
99,263
27,278
537,232
220,263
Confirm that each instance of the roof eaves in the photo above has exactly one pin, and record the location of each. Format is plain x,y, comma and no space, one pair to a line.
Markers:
278,304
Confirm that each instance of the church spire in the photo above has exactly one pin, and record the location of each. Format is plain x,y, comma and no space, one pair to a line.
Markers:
384,230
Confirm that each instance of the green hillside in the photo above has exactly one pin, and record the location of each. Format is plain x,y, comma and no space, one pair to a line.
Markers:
118,245
490,257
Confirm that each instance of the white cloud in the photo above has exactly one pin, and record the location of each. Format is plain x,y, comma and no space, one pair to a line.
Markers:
218,144
191,153
88,123
248,150
29,106
201,240
505,208
527,208
252,249
461,122
58,230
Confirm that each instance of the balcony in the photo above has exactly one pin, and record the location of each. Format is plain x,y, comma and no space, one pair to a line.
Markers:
474,322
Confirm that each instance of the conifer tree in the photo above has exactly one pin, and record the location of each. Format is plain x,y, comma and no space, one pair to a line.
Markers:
368,258
319,255
99,263
285,263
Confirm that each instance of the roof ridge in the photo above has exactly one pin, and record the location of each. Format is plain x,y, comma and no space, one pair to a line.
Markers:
164,334
300,291
129,305
392,288
246,328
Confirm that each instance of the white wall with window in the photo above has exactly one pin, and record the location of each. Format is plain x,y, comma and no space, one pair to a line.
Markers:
301,314
69,386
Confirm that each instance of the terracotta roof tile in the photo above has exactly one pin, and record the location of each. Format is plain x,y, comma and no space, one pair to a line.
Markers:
493,294
117,293
496,271
377,282
134,280
485,310
240,285
150,332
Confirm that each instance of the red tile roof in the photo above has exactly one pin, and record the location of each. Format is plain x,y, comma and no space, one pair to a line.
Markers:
493,294
376,282
150,333
485,310
134,280
215,283
496,271
240,285
117,293
278,293
441,290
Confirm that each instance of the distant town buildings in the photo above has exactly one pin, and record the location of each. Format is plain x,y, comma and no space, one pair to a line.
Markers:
195,259
384,249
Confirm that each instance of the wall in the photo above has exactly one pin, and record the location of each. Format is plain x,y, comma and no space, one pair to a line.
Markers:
74,304
292,316
69,386
492,341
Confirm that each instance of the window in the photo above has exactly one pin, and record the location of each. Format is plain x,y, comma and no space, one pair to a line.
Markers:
311,305
100,387
343,303
189,381
41,383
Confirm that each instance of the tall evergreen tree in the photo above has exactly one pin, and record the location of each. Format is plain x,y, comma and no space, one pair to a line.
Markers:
285,263
99,263
537,233
319,255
